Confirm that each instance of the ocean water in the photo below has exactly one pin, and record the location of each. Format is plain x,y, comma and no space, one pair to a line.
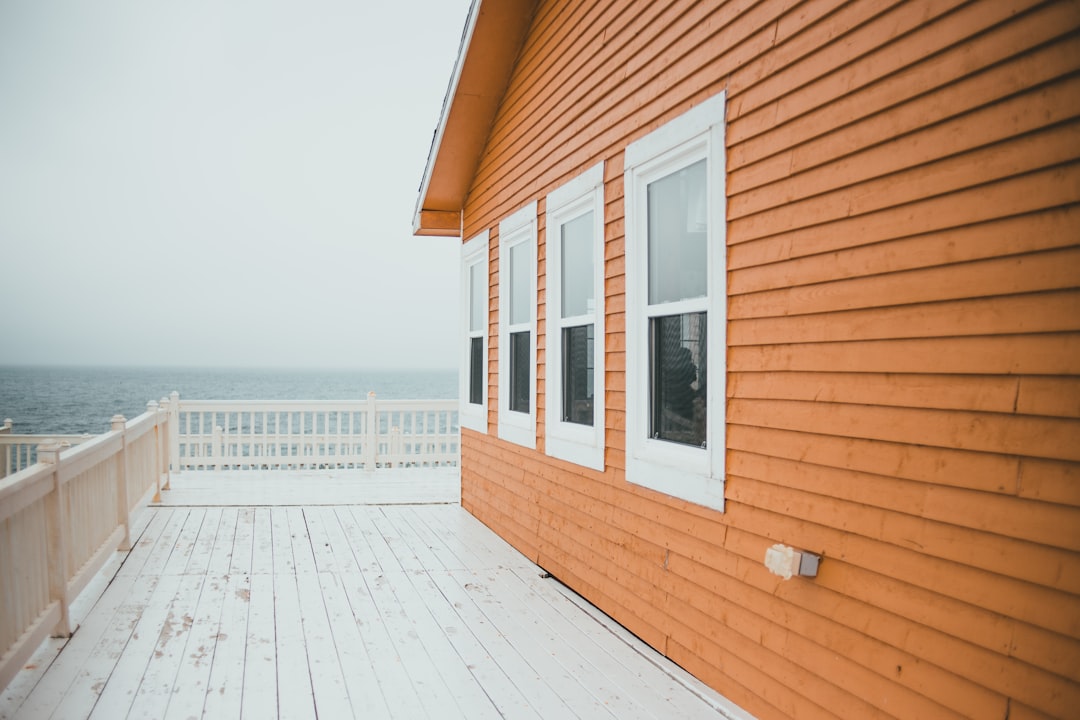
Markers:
74,400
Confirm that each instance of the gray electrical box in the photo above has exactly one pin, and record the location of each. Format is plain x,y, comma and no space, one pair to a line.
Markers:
808,563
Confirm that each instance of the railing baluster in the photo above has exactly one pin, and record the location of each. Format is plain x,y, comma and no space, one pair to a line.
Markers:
299,434
118,423
57,527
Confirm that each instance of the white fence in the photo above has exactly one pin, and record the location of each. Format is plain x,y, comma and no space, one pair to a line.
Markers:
305,434
18,452
61,519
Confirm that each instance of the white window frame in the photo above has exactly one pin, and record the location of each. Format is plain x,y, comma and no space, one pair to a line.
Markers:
576,443
519,228
690,473
472,415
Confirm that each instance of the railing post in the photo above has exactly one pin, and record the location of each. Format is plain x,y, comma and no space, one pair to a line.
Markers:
162,419
123,511
174,434
371,437
397,457
217,447
155,464
56,520
6,454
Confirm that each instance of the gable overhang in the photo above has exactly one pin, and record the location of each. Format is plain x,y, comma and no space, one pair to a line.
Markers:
494,33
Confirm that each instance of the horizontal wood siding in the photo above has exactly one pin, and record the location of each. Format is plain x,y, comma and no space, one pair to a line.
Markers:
904,348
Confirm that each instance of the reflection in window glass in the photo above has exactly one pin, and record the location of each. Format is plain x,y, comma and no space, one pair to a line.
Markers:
577,266
677,220
478,291
577,380
520,284
677,372
476,371
519,371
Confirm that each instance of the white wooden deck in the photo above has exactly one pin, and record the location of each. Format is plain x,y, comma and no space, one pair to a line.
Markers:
288,605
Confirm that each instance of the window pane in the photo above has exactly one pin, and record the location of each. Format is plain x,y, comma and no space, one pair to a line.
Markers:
677,231
577,346
476,371
577,266
677,371
478,292
519,371
519,283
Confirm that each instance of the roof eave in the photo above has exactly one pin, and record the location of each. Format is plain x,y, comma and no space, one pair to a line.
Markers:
494,32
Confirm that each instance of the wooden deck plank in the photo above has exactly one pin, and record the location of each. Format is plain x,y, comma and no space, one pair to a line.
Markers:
508,700
389,668
240,562
592,670
637,676
220,562
419,550
18,690
490,550
295,698
79,673
328,682
260,692
162,670
203,547
454,542
405,552
365,694
303,553
630,665
540,696
674,684
153,548
193,677
363,554
262,543
536,646
333,534
465,694
118,693
385,558
349,611
281,540
224,690
184,546
442,552
423,673
319,536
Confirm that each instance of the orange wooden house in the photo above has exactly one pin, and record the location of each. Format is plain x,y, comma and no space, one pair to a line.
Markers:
782,272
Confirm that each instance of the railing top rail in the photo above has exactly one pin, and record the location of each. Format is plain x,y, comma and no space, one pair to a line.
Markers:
30,438
142,424
300,405
75,458
21,482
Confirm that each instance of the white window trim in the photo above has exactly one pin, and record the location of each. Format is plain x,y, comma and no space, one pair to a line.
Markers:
518,228
694,474
579,444
471,415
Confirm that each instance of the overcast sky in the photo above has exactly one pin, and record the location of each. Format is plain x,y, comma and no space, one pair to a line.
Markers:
223,182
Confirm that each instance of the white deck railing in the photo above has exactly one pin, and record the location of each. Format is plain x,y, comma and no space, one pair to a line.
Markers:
62,516
61,519
18,451
303,434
